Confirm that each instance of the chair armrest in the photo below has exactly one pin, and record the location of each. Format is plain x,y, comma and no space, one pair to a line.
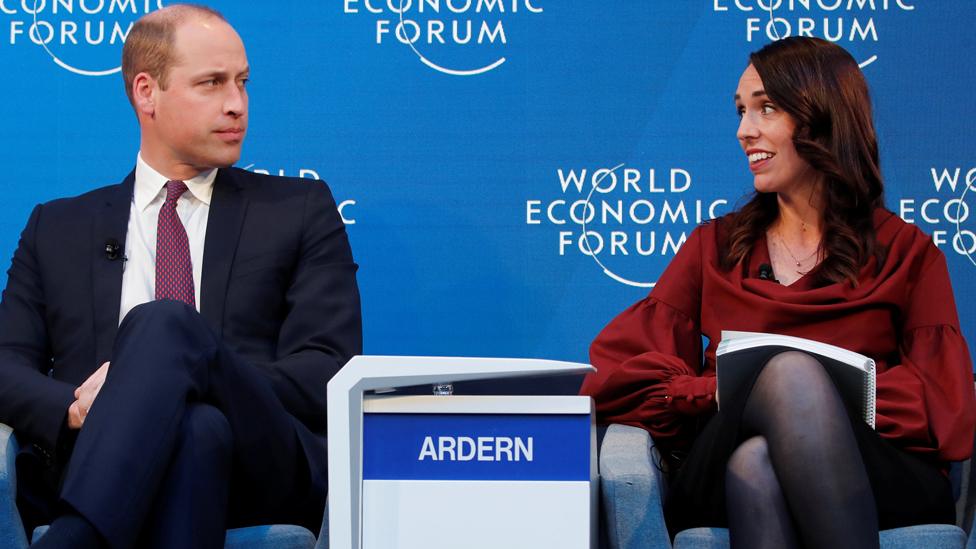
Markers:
631,487
323,540
971,543
11,528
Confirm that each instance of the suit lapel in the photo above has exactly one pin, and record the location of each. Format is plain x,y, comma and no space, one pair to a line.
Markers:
111,223
227,208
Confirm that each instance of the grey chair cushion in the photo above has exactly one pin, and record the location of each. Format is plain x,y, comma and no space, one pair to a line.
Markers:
632,489
11,528
276,536
929,536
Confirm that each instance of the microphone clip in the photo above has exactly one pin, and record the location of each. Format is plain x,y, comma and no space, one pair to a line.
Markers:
766,272
113,249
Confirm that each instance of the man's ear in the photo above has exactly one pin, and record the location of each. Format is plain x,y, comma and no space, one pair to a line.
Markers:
144,89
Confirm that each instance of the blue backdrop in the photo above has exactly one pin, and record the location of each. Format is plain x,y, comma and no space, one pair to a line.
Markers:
464,138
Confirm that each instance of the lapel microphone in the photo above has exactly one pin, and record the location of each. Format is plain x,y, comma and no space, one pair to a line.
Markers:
113,249
766,272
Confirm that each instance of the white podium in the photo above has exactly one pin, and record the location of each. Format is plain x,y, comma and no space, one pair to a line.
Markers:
458,471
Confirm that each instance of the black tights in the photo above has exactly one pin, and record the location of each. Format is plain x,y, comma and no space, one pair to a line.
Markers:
798,479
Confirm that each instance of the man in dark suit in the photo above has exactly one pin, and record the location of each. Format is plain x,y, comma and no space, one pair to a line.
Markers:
205,406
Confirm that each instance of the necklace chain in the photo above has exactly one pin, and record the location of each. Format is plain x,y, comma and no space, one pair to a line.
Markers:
798,262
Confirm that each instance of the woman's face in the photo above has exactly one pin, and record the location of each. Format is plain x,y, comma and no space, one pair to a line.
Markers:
766,135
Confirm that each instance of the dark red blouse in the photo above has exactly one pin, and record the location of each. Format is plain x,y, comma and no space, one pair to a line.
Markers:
648,359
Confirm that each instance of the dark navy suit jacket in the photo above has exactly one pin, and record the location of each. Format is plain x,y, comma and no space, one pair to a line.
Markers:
278,287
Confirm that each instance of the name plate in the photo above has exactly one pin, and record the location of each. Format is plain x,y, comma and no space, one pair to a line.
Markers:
478,472
476,447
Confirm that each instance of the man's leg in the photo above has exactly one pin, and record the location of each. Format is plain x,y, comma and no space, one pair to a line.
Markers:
165,360
190,507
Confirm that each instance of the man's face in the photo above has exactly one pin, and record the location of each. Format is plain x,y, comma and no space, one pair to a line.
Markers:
200,119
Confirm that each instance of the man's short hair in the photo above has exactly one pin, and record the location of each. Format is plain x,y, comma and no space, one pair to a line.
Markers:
149,46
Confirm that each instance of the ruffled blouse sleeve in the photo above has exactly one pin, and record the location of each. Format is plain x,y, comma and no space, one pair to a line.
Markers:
927,402
649,357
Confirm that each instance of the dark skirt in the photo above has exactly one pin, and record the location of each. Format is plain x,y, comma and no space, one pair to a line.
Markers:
908,489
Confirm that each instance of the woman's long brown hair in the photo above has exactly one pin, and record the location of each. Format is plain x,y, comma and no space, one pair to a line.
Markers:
821,86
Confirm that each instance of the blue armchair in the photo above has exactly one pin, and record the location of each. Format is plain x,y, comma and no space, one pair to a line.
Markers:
633,490
255,537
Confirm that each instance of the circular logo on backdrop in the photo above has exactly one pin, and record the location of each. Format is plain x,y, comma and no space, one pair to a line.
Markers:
847,22
947,211
81,36
455,37
964,239
630,221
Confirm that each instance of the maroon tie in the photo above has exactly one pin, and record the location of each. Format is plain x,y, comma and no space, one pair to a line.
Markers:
174,272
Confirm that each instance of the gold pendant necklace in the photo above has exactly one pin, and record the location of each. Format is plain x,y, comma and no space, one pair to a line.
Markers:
798,262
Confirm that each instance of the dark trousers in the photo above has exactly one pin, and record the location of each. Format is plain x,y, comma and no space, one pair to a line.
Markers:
185,439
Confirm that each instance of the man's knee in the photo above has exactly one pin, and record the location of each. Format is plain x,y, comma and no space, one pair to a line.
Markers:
207,431
160,329
164,312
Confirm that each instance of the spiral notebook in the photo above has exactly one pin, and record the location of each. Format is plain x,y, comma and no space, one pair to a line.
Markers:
739,353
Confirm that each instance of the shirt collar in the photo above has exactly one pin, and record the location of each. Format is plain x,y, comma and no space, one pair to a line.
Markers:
149,184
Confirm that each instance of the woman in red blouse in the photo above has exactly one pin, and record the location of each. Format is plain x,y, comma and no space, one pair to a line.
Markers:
784,464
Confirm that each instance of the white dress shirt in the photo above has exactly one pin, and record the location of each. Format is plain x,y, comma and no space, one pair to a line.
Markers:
193,209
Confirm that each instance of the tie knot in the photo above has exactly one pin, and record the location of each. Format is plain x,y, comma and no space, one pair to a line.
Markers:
174,189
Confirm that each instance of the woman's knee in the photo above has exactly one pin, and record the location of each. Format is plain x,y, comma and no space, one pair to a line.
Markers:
750,460
794,396
750,478
794,371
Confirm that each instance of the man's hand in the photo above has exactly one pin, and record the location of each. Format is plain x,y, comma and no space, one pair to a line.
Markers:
85,396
